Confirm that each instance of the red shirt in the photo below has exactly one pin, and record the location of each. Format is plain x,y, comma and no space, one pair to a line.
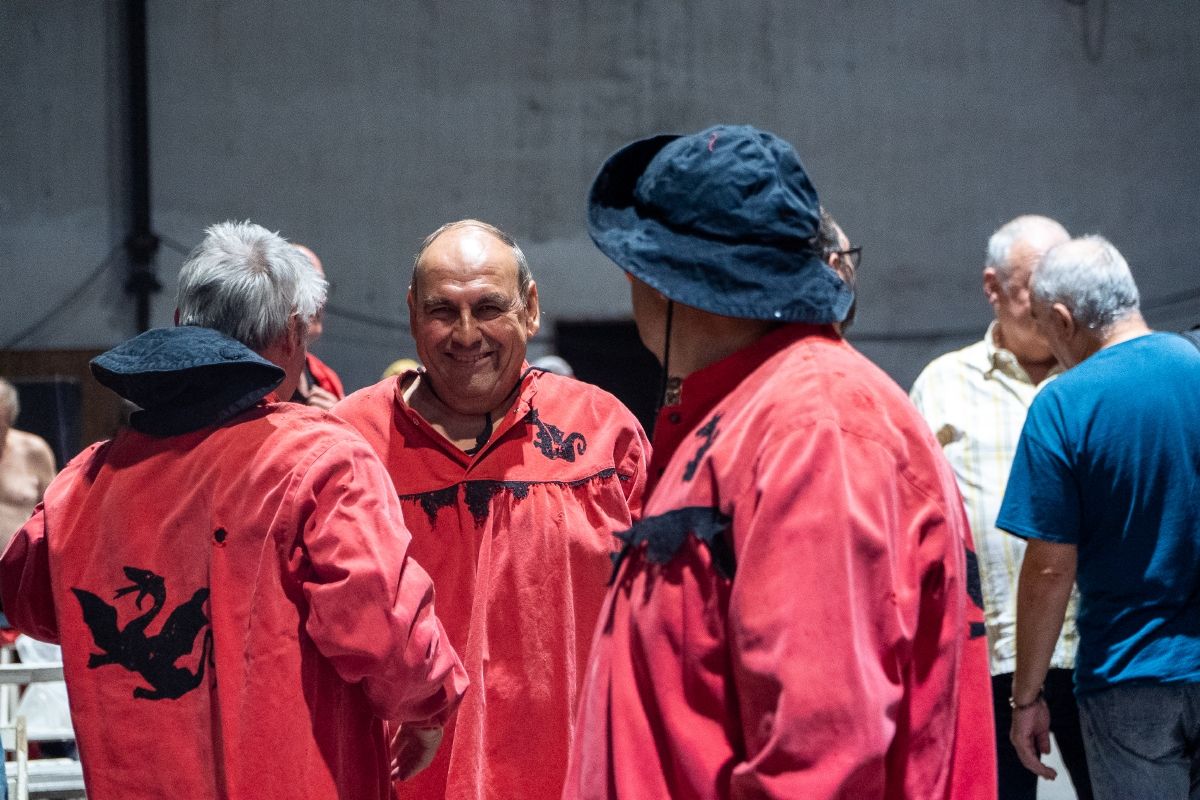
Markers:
517,539
791,616
237,611
324,376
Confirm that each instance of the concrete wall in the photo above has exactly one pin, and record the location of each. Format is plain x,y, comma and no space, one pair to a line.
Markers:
359,127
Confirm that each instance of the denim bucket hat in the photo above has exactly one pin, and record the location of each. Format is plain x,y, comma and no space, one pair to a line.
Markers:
185,378
724,220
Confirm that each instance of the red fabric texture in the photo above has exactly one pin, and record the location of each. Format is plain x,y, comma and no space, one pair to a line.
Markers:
517,540
324,376
837,662
309,623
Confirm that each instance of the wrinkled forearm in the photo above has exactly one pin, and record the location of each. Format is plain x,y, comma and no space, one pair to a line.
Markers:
1047,577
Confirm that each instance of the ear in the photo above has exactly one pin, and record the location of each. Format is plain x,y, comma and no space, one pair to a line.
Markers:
1062,321
297,333
533,312
991,285
412,313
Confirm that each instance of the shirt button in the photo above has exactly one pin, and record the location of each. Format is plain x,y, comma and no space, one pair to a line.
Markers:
674,418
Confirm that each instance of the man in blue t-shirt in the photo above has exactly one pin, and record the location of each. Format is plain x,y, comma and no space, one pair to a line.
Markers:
1104,487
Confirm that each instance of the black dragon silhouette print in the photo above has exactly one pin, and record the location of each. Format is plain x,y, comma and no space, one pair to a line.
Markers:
152,657
553,444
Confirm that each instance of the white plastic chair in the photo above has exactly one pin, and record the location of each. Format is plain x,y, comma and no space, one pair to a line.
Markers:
42,778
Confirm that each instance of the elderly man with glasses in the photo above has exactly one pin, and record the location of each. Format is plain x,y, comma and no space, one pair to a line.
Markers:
842,259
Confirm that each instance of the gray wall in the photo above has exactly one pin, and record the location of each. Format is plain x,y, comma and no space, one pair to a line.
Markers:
359,127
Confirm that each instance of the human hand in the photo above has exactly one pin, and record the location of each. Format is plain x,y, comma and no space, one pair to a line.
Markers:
413,749
320,398
1030,735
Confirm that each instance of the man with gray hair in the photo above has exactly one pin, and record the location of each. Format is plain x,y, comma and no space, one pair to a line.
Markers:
319,386
287,627
975,400
1103,487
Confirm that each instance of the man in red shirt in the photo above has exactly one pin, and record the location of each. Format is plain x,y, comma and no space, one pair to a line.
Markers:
230,577
513,481
319,386
790,618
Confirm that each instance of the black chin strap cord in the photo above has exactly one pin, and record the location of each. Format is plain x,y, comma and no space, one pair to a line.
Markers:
483,436
666,370
488,425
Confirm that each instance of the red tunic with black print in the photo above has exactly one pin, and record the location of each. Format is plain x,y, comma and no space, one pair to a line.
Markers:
518,540
793,617
237,611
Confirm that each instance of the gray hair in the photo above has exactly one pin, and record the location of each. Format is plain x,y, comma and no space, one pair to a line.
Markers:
827,234
1038,232
10,401
1090,278
524,276
247,283
830,242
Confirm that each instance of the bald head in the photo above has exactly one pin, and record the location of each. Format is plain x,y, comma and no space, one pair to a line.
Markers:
467,232
1021,243
312,257
316,326
471,309
1013,254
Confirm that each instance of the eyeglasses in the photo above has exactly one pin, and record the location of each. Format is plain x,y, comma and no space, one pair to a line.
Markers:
853,255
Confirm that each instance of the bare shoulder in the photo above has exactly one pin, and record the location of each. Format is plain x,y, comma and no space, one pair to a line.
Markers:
32,449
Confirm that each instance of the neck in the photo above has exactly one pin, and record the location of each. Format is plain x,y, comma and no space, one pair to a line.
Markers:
1039,369
699,339
468,429
1123,330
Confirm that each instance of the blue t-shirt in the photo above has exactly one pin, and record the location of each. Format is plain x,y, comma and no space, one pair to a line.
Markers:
1109,460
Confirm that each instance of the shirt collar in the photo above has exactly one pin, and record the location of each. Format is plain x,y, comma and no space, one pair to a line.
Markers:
703,389
526,390
1002,360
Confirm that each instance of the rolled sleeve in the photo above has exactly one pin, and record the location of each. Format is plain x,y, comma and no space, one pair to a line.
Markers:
25,580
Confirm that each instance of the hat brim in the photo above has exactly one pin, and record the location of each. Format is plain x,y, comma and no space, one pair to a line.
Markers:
699,270
185,378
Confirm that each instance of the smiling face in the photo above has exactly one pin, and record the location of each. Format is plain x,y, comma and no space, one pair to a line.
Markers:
468,319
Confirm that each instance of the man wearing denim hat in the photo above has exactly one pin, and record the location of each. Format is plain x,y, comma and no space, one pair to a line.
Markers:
230,577
790,618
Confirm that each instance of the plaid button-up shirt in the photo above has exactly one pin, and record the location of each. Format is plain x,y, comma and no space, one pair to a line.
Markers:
975,400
